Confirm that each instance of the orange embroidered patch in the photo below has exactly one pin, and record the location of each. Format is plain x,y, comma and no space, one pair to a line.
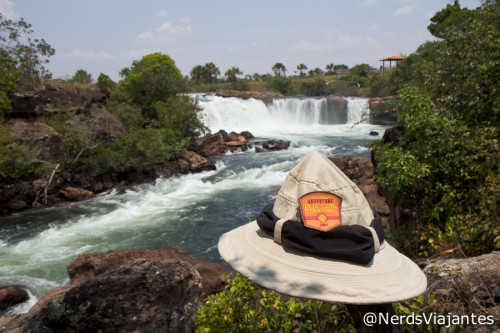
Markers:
320,210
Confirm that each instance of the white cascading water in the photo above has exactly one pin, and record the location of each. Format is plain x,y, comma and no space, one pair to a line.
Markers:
284,115
298,111
358,110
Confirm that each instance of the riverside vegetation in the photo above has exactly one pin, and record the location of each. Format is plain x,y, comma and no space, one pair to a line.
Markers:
443,172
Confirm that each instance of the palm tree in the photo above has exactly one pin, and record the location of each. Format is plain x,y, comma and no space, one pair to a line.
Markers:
329,69
279,68
231,74
301,68
197,73
211,72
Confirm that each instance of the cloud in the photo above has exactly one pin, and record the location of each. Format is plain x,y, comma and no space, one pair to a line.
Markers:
7,9
88,55
389,34
166,32
403,11
161,13
135,54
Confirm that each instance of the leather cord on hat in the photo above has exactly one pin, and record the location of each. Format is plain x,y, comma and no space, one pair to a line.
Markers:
352,243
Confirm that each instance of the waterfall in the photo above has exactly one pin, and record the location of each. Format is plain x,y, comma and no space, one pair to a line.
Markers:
299,111
280,115
358,110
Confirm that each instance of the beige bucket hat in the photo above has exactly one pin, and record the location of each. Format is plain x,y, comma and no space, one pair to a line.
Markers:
320,240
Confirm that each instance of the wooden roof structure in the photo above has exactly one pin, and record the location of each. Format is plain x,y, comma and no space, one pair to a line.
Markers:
390,60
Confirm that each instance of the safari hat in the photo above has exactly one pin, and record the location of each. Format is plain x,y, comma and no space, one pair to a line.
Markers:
320,240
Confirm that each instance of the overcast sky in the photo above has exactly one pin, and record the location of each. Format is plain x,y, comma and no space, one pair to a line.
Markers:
107,35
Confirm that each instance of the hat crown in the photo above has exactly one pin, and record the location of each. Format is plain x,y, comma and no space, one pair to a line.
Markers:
316,173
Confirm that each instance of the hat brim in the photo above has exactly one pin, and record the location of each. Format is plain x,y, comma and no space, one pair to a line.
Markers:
389,277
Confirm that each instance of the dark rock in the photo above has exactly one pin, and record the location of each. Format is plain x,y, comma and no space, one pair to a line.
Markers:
89,265
76,194
138,296
57,98
17,204
209,145
275,144
394,135
464,285
382,111
360,171
12,295
259,150
374,133
233,136
336,111
247,135
191,161
248,94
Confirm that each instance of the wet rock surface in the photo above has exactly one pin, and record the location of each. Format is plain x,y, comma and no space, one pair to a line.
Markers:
138,296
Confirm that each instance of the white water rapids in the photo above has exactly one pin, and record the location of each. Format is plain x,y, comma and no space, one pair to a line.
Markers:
189,211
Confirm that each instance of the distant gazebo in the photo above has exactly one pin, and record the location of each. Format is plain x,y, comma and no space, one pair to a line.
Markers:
396,59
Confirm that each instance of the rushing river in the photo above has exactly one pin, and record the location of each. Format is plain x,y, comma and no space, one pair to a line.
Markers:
190,211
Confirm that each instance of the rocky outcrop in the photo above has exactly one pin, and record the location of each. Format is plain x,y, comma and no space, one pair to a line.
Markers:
360,171
271,145
382,111
76,194
219,143
12,295
138,296
192,162
89,265
55,98
336,111
464,285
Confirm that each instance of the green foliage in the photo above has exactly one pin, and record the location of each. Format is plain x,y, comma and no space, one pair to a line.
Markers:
25,54
15,159
8,82
154,78
232,73
421,307
379,85
135,151
449,19
244,307
281,84
82,76
105,84
317,87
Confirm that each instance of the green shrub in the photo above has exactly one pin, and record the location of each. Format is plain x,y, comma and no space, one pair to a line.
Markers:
317,87
245,307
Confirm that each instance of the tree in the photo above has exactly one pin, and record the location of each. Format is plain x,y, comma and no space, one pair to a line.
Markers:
231,74
210,72
301,68
278,69
448,19
197,73
22,56
445,170
154,78
316,72
330,69
82,76
104,83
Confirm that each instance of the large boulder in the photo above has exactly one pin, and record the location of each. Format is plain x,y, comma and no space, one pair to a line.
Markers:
89,265
382,111
193,162
12,295
138,296
465,286
210,145
76,193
